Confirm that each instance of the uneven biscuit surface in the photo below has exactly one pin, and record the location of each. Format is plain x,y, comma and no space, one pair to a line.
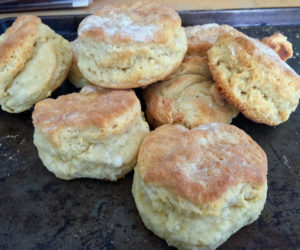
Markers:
202,163
254,79
195,188
34,61
95,133
132,45
187,97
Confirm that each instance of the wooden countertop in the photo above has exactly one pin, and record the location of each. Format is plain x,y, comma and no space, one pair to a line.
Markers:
177,4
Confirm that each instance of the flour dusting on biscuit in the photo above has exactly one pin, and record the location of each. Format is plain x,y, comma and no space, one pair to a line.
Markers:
130,45
197,187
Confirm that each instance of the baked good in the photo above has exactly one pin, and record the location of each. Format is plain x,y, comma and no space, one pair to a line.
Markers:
95,133
194,188
75,76
34,61
254,79
187,97
130,45
279,43
201,37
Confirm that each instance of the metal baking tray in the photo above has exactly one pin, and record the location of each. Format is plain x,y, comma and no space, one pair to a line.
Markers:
39,211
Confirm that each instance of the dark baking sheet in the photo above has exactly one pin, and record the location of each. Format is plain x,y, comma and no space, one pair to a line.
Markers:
39,211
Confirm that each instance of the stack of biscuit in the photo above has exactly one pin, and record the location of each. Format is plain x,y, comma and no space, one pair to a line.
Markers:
118,48
197,179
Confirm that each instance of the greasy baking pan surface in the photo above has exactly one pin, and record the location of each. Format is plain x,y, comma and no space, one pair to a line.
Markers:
39,211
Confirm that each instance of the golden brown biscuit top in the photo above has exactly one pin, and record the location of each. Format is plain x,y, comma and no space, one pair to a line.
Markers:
109,110
18,39
135,22
201,164
201,37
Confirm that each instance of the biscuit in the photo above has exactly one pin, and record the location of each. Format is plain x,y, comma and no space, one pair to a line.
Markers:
280,45
75,76
201,37
34,61
95,133
187,97
254,79
195,188
130,45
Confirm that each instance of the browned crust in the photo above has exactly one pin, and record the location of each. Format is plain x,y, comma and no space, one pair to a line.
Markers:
18,41
143,14
177,159
91,107
280,45
253,48
199,49
22,29
159,108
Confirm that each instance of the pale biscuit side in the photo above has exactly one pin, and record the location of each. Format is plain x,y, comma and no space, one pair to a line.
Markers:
185,226
75,76
124,66
79,154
